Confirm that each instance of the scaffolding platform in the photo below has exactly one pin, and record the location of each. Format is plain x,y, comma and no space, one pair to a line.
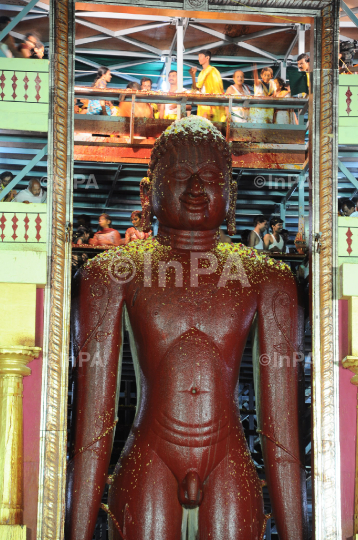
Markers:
130,139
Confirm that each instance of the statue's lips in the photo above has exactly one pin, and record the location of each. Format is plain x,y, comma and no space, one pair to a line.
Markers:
195,204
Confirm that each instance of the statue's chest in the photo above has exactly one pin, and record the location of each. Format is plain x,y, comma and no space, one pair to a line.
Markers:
166,312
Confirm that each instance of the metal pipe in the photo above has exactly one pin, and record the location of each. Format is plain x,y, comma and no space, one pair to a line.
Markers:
301,39
180,54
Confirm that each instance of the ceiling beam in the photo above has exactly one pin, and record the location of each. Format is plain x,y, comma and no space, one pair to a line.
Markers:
123,16
198,48
126,77
241,23
11,7
140,54
124,31
119,34
133,54
292,44
91,39
349,12
115,67
234,41
347,173
4,32
142,45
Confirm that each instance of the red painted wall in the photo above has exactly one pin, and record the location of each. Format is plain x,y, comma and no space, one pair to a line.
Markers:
32,414
348,426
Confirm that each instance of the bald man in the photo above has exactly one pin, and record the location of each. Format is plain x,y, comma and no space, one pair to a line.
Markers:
32,194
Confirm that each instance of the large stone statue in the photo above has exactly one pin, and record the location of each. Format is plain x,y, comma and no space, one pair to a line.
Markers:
190,303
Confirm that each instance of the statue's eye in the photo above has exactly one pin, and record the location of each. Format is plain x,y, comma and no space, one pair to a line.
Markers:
181,174
209,174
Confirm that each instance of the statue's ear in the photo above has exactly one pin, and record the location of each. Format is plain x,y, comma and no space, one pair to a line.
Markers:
231,214
146,202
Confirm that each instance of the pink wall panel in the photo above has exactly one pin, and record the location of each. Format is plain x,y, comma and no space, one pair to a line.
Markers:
32,413
348,423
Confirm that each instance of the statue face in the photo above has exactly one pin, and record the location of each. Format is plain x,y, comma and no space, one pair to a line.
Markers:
191,188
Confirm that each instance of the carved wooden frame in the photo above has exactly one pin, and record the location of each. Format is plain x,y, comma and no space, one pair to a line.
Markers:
323,172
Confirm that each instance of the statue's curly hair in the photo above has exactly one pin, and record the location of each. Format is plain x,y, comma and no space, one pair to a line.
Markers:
189,132
188,138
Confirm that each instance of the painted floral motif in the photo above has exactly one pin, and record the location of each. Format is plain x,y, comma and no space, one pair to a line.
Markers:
26,81
348,100
14,85
26,221
38,222
37,86
14,226
349,235
2,226
2,84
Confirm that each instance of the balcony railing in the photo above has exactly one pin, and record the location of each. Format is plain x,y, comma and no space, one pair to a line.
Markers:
24,94
348,256
254,145
23,243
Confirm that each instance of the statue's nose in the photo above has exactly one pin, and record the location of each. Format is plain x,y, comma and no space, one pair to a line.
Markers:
195,186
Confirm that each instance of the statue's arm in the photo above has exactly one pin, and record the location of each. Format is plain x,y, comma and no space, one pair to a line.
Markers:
281,399
96,334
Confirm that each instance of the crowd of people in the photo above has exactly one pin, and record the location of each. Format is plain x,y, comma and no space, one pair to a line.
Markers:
209,81
30,47
267,235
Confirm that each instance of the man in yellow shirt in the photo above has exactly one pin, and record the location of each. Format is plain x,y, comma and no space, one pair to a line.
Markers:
209,82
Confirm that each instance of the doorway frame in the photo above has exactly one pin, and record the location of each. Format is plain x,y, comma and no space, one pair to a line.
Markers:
322,242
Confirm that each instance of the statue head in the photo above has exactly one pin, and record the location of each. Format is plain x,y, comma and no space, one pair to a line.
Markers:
189,184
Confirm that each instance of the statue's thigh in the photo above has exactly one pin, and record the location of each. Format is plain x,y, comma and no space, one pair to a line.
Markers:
232,507
144,499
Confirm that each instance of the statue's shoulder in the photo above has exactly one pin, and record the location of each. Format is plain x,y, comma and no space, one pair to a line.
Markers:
117,262
258,266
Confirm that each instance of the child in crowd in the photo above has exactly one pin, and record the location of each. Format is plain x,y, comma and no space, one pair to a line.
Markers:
136,232
263,87
283,116
96,106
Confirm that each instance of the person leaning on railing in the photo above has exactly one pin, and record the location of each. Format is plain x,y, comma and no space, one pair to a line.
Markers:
96,106
239,114
168,111
124,109
146,86
283,116
32,194
263,87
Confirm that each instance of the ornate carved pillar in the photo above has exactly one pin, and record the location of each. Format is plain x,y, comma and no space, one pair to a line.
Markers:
13,368
52,476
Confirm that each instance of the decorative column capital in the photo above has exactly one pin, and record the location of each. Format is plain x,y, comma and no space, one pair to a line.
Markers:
13,359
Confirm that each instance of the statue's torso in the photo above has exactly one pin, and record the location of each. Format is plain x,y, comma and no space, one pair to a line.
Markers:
189,342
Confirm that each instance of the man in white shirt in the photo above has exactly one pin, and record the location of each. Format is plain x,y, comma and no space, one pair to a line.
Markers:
275,242
33,194
256,235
